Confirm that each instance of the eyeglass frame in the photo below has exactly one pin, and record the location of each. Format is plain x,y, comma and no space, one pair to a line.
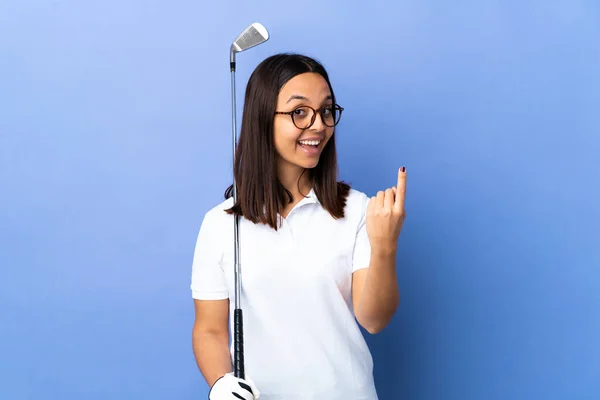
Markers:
314,117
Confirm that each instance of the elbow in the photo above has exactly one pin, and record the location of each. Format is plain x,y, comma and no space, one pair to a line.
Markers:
375,323
374,327
202,334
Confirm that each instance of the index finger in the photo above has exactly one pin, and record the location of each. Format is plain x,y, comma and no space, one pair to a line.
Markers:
400,189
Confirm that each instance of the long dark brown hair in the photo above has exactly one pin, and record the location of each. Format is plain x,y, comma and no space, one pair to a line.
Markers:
260,194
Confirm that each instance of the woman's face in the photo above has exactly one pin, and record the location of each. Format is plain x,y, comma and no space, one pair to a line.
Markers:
298,147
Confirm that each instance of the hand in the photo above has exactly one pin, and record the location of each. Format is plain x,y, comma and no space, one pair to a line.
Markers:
385,216
228,387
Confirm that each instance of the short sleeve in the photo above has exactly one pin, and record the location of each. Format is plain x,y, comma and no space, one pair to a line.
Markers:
361,256
208,280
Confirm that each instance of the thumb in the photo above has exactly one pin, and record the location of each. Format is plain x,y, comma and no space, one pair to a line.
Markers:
252,385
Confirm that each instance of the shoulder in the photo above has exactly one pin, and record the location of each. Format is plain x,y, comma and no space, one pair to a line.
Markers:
216,218
220,208
356,196
356,203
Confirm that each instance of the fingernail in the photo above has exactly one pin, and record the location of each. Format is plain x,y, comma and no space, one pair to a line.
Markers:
403,169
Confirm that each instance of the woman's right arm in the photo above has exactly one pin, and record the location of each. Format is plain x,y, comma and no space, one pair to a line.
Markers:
210,338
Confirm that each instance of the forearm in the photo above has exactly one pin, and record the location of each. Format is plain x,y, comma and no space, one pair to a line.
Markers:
211,350
380,295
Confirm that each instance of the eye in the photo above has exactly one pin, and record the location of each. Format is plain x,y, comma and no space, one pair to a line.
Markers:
327,110
300,112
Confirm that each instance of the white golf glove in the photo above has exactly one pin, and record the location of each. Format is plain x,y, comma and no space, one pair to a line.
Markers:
228,387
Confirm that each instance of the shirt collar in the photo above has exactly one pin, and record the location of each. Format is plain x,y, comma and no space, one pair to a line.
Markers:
310,198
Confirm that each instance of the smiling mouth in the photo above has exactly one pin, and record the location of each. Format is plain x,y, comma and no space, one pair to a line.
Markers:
309,143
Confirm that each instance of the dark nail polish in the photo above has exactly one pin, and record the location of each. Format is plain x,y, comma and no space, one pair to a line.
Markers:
403,169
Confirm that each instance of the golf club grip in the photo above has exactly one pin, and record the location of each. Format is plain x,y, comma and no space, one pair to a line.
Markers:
238,345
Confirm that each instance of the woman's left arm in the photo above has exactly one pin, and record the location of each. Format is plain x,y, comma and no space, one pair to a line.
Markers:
375,290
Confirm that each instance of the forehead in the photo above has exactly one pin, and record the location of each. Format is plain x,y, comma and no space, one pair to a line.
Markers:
310,85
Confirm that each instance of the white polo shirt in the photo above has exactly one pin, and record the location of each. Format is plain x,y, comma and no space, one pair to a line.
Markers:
301,338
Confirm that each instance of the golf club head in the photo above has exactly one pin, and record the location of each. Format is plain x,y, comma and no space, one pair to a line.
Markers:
252,36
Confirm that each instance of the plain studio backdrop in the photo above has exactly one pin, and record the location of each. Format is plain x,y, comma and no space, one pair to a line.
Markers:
115,140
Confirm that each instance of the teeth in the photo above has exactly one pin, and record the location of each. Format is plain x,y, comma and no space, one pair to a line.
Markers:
310,142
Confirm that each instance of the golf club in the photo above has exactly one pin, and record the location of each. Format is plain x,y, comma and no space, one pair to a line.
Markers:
252,36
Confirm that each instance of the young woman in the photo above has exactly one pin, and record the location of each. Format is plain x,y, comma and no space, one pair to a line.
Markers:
318,257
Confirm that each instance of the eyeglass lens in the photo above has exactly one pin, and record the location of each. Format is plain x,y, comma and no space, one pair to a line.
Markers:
304,117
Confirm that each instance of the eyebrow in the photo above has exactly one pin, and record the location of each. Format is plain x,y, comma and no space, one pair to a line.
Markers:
298,97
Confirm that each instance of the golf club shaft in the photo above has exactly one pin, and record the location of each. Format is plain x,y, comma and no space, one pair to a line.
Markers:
252,36
238,334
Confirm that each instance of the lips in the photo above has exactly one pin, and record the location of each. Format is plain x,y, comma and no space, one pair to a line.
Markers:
309,148
315,143
311,140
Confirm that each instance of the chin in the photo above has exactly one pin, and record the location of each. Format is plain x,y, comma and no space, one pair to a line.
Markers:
308,164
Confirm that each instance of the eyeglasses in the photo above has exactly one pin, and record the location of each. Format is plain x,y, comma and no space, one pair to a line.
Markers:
304,116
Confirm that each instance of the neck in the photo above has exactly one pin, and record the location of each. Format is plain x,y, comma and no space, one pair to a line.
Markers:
290,175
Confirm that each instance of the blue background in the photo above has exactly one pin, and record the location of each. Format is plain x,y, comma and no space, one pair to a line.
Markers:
115,140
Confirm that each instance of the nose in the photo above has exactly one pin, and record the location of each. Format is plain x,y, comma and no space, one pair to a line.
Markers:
318,125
